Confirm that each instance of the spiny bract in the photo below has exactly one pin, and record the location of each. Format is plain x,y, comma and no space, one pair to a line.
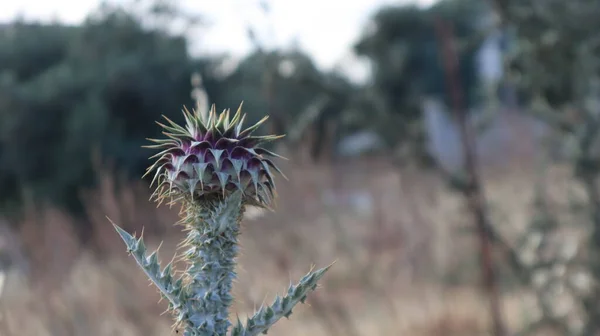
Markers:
213,156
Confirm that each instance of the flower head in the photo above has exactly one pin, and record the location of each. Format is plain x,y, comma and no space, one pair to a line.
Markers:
214,156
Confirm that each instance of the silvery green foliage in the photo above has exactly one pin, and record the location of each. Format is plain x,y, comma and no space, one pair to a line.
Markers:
215,168
201,298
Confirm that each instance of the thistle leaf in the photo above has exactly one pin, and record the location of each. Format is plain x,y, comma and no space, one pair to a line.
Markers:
265,318
150,265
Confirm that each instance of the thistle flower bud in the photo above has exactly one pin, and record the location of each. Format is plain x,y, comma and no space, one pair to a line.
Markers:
214,156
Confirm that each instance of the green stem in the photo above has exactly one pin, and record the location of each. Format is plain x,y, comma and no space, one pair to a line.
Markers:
213,229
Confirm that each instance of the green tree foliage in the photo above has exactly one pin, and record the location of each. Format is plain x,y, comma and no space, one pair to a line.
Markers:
287,85
402,44
69,91
553,41
267,82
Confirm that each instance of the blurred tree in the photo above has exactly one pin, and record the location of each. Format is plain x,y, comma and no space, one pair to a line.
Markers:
555,61
68,91
401,44
551,38
269,81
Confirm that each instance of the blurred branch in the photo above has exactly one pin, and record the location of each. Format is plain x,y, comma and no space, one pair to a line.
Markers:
270,74
501,8
200,95
473,193
306,118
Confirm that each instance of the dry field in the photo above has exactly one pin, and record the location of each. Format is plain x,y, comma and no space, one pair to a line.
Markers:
406,260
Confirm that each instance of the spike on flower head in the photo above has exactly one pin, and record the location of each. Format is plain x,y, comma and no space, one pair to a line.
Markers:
212,155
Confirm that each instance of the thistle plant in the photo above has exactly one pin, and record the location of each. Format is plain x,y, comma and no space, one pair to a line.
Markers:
214,168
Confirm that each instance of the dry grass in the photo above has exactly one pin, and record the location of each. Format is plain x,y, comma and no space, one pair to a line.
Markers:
394,243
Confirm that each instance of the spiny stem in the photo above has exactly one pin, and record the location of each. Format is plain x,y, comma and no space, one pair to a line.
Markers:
213,229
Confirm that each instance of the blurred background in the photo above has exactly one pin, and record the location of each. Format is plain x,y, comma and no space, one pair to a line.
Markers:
445,153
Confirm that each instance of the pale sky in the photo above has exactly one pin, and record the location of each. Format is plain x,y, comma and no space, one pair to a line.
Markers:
326,29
